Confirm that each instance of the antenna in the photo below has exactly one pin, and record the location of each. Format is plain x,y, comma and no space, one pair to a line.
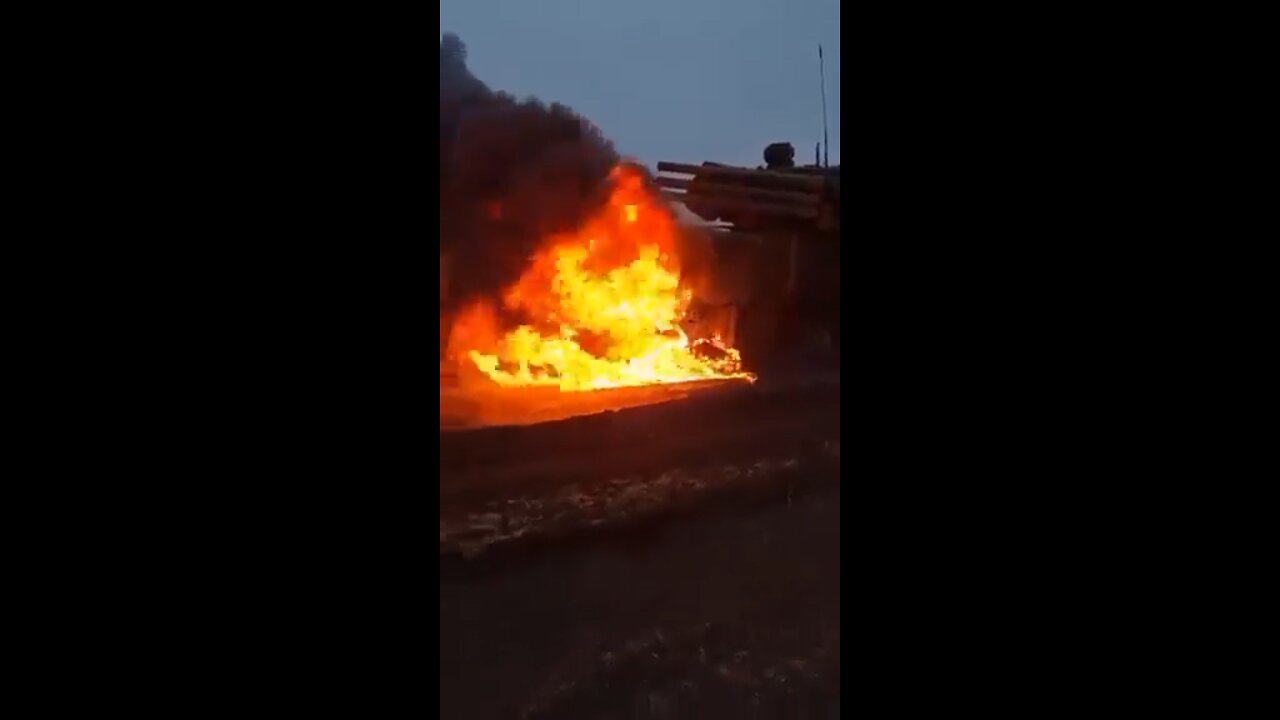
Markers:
822,76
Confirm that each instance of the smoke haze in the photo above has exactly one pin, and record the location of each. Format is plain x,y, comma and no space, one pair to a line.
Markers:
511,172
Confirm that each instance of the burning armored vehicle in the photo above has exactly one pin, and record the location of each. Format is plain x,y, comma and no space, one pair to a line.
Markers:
635,296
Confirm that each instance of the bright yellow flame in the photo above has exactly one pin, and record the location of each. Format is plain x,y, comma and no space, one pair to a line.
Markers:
606,302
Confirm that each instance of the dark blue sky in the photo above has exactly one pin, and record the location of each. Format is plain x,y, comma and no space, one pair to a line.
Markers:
681,80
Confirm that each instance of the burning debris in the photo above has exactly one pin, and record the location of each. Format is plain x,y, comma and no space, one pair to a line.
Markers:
566,261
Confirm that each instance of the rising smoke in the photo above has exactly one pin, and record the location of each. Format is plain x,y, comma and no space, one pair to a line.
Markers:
511,173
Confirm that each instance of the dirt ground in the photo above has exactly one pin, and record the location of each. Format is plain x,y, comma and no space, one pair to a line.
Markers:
679,560
735,615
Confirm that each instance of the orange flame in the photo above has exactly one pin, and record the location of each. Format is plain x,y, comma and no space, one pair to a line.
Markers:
605,303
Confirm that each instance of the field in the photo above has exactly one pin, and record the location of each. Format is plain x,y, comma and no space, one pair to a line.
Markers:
678,559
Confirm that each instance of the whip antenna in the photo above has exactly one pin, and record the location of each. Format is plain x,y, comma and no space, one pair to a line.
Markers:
822,77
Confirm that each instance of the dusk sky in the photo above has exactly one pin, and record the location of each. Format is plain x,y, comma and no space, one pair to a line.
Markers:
679,80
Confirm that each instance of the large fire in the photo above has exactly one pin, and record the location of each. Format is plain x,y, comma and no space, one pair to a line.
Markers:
604,305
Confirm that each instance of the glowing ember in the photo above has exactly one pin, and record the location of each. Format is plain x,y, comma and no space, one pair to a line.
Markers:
605,304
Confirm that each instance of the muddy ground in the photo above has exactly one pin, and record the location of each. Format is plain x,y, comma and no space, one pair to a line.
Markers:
679,560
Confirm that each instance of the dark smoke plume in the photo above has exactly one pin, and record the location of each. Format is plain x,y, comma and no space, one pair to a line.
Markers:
511,173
